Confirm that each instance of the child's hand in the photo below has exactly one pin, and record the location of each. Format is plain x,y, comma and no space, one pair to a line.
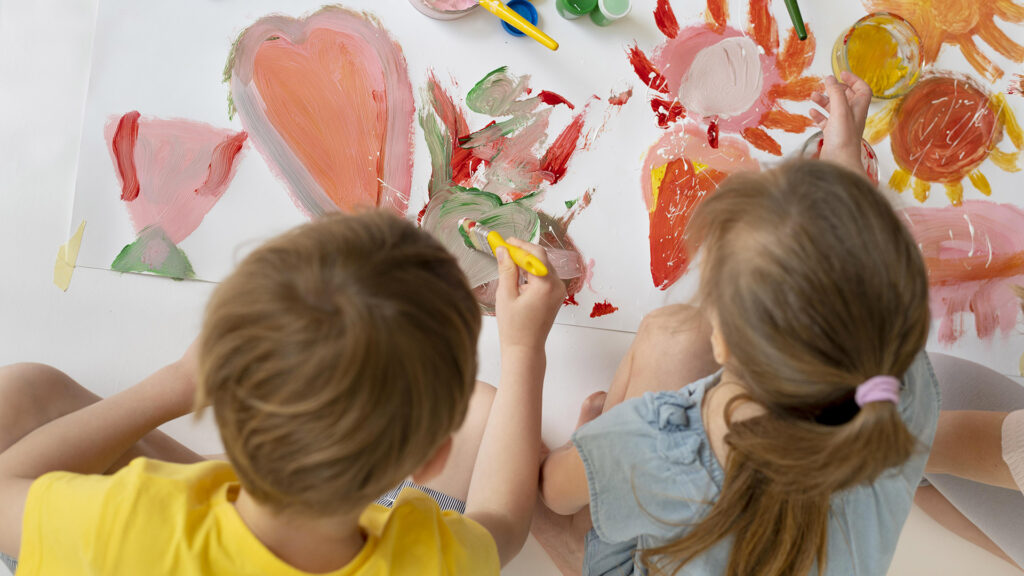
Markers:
847,104
526,312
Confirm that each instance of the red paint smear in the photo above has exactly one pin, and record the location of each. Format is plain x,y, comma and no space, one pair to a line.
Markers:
621,98
570,300
665,18
462,163
975,255
667,112
222,163
646,71
762,141
556,160
800,89
681,191
945,129
713,133
1017,86
796,54
123,145
717,15
553,99
787,121
602,309
763,28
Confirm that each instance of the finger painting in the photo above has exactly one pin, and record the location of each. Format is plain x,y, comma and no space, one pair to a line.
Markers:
715,90
975,256
961,23
171,172
329,105
499,173
728,80
943,131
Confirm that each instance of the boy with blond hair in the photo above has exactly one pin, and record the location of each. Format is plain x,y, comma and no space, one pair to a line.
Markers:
340,360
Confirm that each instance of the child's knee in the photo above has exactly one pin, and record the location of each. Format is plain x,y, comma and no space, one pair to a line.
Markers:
27,392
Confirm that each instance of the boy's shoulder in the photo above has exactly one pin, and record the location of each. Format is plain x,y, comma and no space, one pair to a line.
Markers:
425,531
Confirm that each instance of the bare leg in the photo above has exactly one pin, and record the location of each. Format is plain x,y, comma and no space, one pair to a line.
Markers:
454,479
969,444
33,394
672,348
934,504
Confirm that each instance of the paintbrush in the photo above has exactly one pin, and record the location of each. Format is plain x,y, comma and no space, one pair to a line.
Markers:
483,239
798,20
499,9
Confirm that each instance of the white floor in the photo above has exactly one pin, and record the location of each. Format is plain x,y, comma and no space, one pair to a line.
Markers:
109,331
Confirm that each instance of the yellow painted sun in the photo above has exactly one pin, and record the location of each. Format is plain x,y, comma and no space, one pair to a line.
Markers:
942,131
959,22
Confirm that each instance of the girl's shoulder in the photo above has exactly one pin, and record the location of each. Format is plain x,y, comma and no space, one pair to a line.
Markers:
649,464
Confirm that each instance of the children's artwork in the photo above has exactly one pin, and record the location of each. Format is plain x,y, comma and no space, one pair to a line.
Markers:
942,131
497,174
959,23
328,102
975,256
600,151
172,172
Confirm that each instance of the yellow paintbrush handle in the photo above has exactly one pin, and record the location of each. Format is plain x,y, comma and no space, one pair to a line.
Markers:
521,257
499,9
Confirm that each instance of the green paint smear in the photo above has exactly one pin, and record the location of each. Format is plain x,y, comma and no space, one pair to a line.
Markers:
146,255
570,203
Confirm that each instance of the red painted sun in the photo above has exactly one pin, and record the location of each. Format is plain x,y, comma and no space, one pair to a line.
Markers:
728,80
958,22
942,131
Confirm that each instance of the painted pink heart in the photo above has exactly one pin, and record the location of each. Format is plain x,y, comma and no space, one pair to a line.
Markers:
328,103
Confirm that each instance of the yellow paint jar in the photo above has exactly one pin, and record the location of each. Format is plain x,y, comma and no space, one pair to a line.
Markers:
884,50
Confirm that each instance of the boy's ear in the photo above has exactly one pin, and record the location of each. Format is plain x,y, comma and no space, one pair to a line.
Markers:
433,467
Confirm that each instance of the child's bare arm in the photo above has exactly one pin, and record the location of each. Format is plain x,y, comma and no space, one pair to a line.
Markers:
503,489
563,486
89,440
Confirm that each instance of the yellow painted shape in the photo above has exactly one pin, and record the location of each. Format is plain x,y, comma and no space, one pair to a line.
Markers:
67,257
955,193
874,54
980,182
657,177
699,167
921,189
880,124
900,180
1005,160
1010,124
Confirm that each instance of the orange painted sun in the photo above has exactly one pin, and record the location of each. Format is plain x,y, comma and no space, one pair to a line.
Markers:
942,131
959,22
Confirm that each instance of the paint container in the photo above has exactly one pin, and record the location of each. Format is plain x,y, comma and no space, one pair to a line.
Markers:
812,149
445,9
609,11
573,9
884,50
524,9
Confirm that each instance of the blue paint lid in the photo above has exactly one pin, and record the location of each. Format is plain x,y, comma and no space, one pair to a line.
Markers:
525,9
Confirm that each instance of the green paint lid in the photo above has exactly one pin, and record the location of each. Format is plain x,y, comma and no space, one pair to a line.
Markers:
609,11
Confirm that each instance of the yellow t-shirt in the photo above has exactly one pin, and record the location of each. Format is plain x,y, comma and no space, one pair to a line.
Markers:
157,518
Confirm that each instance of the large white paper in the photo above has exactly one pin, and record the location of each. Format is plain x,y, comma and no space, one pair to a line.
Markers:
166,59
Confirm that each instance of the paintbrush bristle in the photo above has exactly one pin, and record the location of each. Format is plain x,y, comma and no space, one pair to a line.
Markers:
474,235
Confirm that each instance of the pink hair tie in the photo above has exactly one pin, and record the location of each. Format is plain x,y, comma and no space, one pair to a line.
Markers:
878,389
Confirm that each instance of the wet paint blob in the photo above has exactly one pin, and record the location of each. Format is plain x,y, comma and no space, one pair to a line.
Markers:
602,309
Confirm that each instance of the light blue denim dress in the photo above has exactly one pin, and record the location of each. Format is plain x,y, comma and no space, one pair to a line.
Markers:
652,475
